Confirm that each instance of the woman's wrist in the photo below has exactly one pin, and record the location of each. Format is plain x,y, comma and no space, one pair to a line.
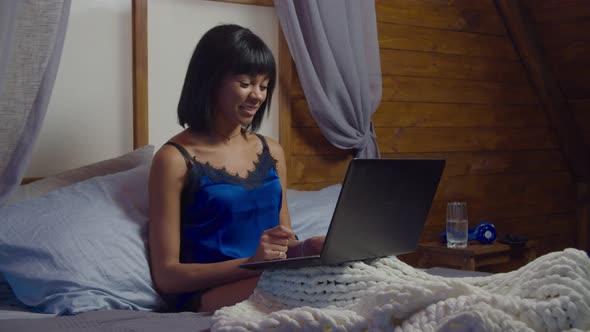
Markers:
302,248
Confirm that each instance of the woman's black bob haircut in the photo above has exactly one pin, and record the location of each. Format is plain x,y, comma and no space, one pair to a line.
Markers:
223,50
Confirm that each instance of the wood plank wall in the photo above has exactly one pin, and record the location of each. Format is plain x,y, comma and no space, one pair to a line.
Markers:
562,26
454,87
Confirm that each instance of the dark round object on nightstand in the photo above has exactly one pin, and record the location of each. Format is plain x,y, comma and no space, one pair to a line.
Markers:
513,240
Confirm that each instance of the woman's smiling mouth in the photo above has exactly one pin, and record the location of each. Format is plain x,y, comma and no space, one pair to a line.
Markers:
249,110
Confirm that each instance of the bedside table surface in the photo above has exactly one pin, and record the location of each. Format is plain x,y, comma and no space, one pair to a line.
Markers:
476,255
473,248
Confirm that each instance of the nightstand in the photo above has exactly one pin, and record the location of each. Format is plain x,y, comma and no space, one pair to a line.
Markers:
494,257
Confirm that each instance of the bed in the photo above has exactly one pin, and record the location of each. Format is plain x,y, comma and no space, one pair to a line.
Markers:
61,223
73,256
74,246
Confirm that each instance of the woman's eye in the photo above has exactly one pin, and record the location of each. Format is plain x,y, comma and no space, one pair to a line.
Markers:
244,84
263,88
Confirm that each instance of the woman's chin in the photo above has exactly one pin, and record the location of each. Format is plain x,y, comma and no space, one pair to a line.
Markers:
246,121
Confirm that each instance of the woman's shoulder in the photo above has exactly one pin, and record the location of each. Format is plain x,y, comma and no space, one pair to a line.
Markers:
275,148
174,153
168,160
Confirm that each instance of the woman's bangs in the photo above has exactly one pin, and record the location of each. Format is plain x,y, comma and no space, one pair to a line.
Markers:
255,61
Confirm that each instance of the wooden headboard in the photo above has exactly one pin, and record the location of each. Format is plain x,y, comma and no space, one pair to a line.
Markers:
140,73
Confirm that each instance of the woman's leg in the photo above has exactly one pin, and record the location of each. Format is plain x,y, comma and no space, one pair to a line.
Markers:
222,296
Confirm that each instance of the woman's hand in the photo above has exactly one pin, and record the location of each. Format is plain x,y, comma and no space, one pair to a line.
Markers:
273,244
312,246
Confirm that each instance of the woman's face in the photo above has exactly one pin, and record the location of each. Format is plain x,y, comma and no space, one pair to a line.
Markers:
239,98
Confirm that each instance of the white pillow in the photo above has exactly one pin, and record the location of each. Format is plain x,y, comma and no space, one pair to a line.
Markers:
311,211
81,247
40,187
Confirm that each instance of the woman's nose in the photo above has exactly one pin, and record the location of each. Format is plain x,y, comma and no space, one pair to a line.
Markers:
257,94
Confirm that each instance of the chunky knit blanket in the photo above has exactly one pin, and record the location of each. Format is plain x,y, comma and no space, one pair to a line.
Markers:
551,293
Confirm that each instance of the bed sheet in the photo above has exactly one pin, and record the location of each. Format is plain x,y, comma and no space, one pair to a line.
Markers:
112,320
15,312
11,307
14,318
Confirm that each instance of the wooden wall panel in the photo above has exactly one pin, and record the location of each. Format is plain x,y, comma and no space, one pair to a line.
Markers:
455,88
418,114
562,26
581,109
314,171
554,87
421,64
562,11
426,89
568,48
422,89
414,38
413,114
554,5
458,15
310,141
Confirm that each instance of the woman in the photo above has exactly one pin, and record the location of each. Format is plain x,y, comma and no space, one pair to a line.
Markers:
216,199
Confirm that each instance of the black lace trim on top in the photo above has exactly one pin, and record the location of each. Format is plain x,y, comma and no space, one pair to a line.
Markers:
253,179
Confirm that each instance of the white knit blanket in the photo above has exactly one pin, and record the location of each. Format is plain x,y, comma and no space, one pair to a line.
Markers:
551,293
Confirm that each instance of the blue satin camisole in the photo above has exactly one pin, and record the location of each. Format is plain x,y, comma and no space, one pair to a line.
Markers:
223,215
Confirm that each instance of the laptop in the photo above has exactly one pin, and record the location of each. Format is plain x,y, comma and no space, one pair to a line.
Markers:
381,211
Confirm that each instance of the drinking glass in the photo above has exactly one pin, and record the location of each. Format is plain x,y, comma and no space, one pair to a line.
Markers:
457,230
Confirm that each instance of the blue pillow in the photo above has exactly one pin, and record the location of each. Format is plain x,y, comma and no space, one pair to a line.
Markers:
82,247
311,211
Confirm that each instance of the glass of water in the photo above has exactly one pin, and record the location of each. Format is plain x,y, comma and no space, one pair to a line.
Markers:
457,225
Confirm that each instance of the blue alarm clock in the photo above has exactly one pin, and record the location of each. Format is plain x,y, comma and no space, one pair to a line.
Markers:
484,232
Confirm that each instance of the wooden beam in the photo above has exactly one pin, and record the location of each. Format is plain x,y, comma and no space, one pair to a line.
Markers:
140,73
525,40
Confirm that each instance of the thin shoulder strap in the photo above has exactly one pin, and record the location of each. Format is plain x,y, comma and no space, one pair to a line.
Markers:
264,144
185,154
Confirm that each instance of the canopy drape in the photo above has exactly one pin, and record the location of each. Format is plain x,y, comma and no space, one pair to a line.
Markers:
32,34
335,48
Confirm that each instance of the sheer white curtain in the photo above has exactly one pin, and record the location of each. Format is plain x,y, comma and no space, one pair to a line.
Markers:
335,48
32,34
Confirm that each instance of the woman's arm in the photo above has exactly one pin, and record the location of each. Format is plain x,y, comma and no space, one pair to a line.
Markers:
277,152
311,246
167,176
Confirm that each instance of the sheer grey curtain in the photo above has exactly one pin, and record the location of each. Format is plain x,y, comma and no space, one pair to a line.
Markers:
31,37
336,52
